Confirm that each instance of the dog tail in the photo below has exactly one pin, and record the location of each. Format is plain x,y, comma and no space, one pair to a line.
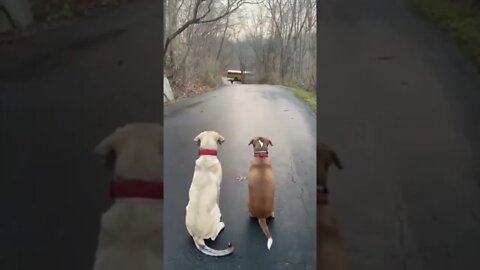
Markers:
336,160
200,244
263,224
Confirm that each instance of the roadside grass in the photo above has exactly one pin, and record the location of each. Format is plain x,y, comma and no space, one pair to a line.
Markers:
309,97
460,18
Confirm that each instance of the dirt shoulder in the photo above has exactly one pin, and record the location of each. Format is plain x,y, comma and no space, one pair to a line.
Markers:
461,19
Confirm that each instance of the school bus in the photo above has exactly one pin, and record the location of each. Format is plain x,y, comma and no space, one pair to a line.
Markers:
236,75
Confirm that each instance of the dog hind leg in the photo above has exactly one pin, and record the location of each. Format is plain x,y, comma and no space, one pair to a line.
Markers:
220,227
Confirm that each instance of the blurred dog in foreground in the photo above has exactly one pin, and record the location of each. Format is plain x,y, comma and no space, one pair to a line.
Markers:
131,230
330,251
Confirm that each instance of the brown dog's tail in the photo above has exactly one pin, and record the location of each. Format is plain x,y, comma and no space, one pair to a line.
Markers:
263,224
200,244
336,160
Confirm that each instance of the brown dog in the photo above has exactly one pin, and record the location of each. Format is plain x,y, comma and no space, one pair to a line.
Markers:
261,185
330,252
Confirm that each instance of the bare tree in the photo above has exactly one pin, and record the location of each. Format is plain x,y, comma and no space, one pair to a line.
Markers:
276,40
290,19
282,37
223,39
171,23
203,11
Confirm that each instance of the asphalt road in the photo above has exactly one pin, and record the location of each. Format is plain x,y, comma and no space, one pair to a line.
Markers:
61,92
400,104
240,112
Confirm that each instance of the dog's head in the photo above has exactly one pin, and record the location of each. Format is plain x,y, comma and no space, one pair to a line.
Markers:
209,140
325,157
260,143
130,134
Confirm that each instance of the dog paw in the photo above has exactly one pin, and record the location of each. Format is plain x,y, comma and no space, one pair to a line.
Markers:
273,214
221,226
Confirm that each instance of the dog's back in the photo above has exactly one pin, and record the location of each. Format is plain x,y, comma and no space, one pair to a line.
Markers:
261,188
131,236
203,194
330,251
208,171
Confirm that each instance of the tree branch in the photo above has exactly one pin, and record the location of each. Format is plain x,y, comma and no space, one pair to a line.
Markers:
231,7
176,33
229,10
208,11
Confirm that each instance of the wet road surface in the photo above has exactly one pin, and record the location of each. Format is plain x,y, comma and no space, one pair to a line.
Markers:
400,104
240,112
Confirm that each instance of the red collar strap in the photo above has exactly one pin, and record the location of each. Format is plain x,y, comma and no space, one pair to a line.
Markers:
260,154
136,188
207,152
322,196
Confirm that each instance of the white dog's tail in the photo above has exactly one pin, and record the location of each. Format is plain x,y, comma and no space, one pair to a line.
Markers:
200,244
264,226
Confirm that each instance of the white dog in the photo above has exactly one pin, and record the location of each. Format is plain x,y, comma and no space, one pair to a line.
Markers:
203,212
131,231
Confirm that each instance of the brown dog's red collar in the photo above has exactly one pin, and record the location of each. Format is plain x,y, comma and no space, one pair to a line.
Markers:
322,196
136,188
207,152
260,154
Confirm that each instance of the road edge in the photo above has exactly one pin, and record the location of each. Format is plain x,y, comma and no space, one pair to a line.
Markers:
469,47
71,32
307,97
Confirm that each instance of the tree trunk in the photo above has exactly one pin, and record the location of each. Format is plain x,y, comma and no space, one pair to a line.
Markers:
223,39
172,18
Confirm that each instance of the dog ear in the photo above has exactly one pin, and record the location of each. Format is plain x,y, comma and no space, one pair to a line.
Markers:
336,160
269,141
220,139
252,140
105,147
197,139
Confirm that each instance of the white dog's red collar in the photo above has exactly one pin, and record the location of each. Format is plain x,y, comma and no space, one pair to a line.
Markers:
136,188
207,152
261,154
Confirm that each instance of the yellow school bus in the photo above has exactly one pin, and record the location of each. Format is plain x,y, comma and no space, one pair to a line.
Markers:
236,75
